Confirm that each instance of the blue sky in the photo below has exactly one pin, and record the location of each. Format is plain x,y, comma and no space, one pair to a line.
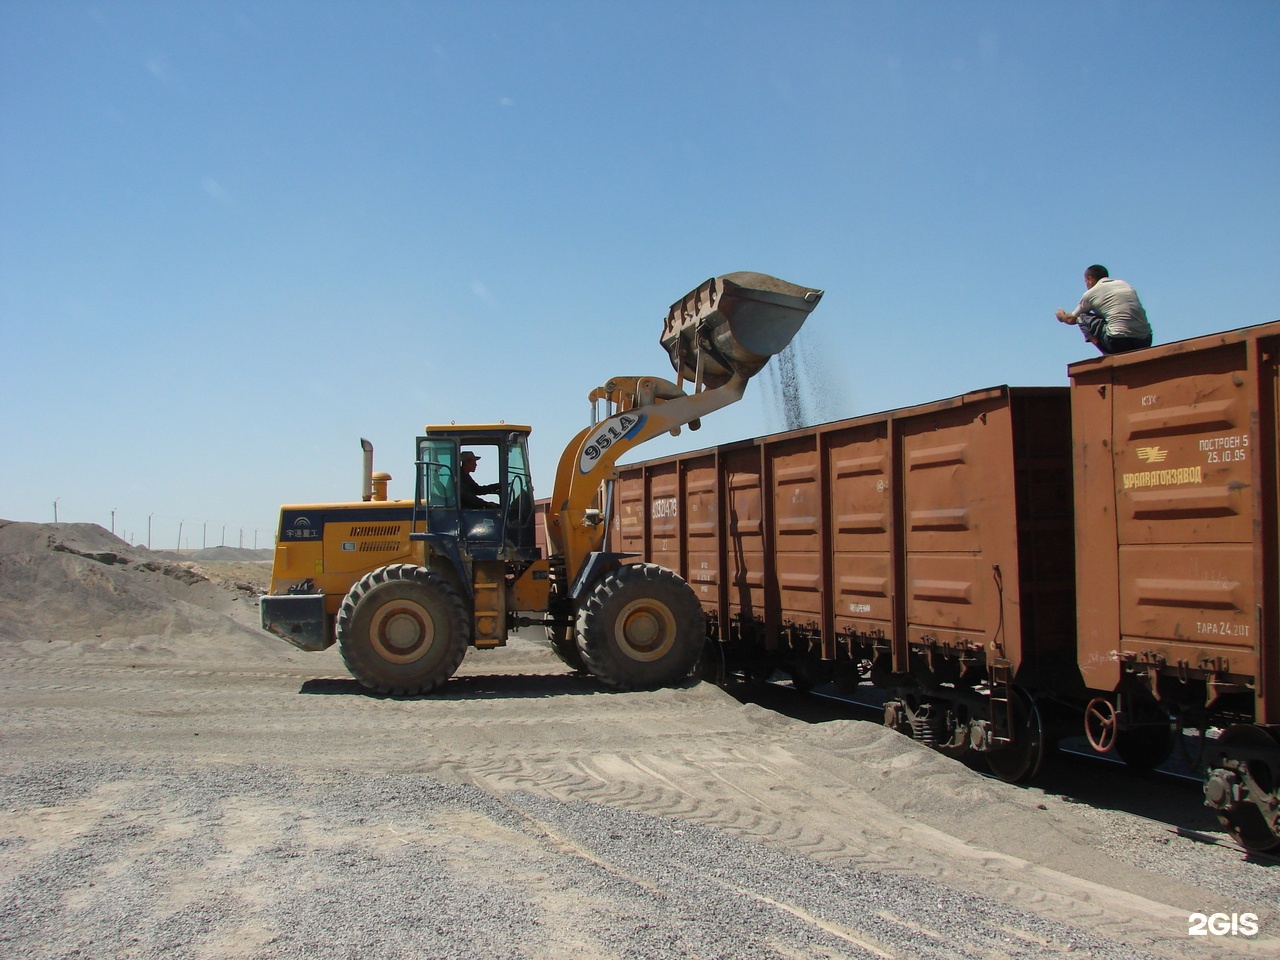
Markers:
236,237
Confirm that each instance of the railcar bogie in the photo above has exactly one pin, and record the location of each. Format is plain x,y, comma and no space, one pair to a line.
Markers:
1243,784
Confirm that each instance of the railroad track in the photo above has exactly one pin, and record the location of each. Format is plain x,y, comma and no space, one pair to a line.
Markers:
1208,838
1127,788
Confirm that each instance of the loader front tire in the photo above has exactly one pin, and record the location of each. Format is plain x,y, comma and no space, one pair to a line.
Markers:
402,630
641,627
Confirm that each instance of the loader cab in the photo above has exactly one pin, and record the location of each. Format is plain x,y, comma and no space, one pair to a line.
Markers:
452,463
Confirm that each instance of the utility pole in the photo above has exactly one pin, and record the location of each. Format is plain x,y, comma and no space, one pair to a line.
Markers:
149,516
224,535
242,538
113,520
204,536
55,509
180,523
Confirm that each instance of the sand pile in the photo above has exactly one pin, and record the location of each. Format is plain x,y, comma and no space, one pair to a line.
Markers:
218,555
74,587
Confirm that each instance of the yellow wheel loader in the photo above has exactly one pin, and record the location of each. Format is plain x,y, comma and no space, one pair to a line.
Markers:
405,586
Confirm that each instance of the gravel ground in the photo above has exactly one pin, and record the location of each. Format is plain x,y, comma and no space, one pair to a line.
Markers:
406,865
175,784
267,813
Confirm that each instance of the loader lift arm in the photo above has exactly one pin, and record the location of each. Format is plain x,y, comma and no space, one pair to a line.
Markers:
718,337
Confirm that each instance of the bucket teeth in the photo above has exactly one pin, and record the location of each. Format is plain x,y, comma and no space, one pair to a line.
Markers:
732,324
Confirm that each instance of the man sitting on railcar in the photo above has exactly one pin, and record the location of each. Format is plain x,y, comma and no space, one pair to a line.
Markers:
1109,314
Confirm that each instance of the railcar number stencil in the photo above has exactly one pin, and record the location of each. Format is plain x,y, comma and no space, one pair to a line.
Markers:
665,507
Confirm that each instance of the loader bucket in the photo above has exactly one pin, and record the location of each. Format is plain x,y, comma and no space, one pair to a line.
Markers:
734,324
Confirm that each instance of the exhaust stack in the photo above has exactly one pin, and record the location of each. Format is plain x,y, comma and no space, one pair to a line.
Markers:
366,481
733,324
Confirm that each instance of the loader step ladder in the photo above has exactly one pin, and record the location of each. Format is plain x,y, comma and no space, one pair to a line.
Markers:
1000,700
489,626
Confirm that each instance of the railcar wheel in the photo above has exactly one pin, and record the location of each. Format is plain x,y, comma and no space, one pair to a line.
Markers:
1243,786
1145,747
1020,759
564,642
804,676
402,630
641,627
713,666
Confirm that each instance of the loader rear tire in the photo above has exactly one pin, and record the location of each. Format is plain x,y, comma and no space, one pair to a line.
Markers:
402,630
641,627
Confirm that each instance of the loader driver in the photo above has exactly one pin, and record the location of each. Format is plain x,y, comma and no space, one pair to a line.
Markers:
471,499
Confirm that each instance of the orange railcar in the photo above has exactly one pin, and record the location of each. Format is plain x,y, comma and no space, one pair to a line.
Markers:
929,547
1011,562
1179,579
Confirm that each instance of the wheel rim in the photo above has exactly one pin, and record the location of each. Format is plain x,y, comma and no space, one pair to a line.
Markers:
402,632
645,630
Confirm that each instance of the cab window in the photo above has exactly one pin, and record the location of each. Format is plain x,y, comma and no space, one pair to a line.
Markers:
438,462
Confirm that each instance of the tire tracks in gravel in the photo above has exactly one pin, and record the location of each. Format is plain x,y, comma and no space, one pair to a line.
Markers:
868,912
569,846
784,792
852,797
787,796
814,823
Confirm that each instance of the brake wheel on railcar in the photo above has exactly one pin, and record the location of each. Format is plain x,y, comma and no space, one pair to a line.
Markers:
1143,746
1020,759
1101,724
1243,785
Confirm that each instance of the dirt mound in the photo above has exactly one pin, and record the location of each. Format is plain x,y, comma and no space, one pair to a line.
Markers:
76,588
86,538
218,555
